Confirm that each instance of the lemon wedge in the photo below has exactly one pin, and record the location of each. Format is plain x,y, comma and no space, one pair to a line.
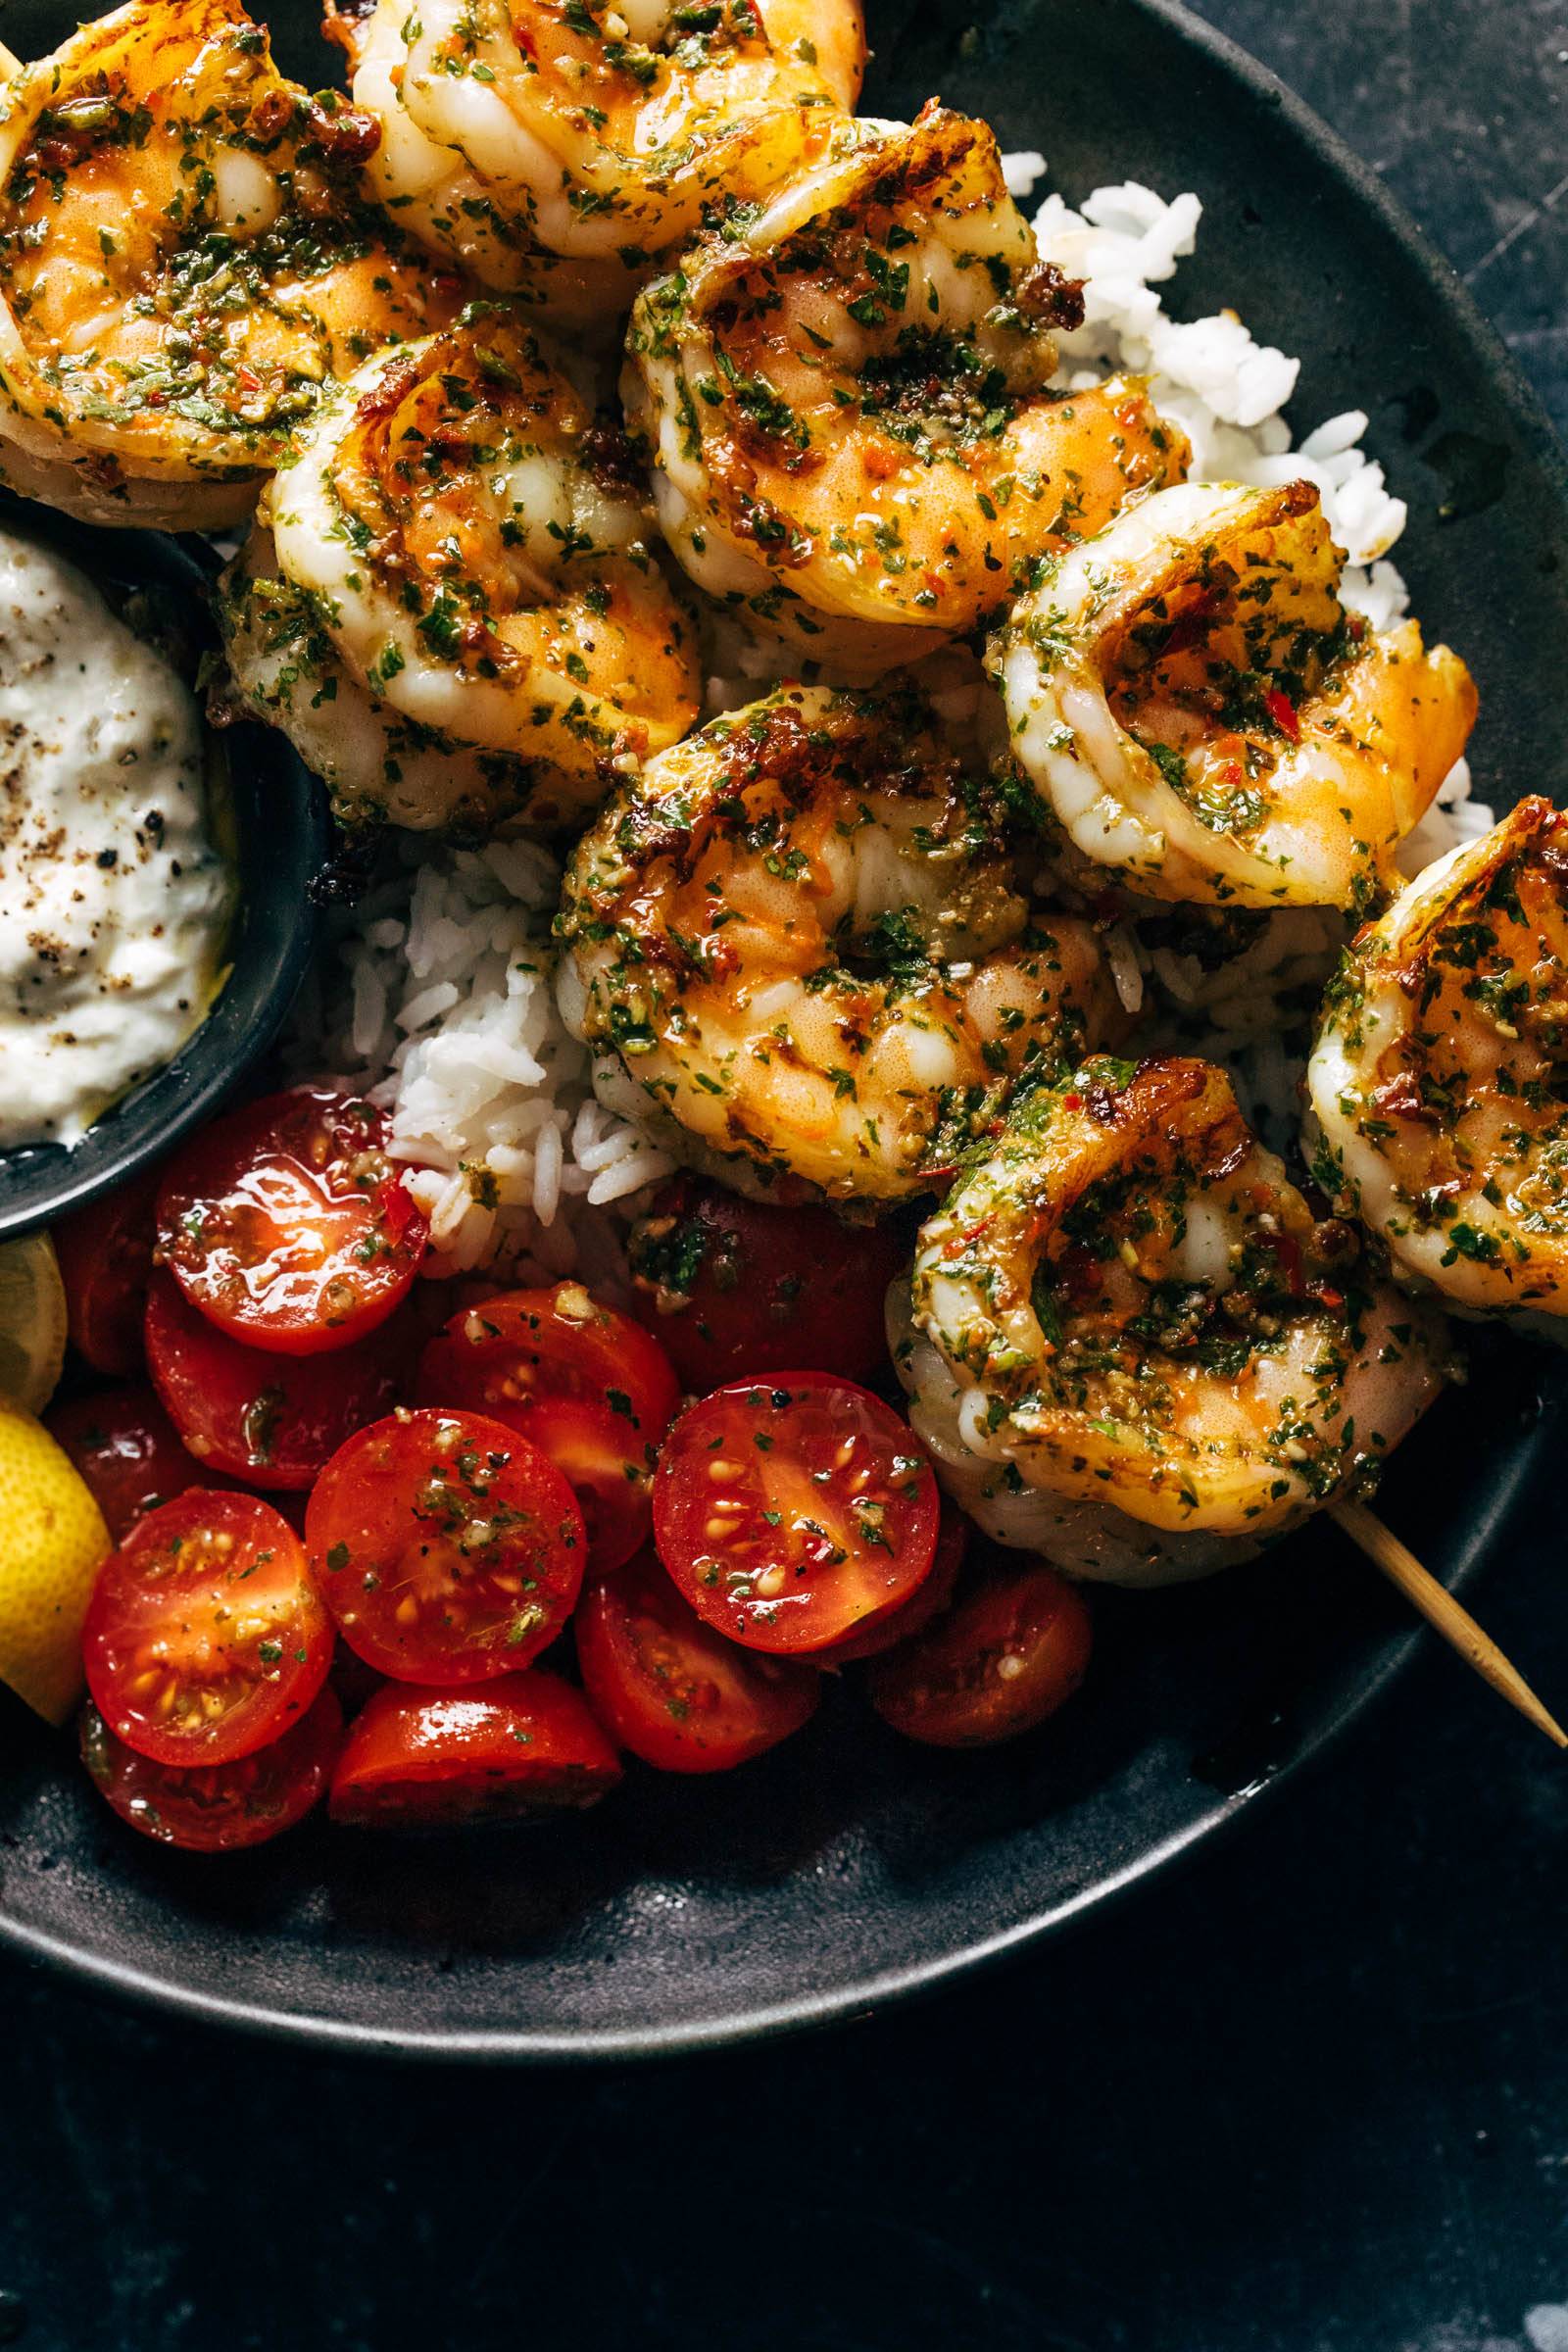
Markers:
32,1321
53,1541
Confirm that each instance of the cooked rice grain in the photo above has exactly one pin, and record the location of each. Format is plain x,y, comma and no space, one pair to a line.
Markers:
437,1002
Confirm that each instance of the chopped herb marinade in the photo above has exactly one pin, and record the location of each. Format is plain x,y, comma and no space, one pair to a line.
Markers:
1144,1311
802,933
459,542
1440,1080
648,131
859,391
1211,724
188,258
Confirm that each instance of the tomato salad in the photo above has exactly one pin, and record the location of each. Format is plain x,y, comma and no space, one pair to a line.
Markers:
442,1553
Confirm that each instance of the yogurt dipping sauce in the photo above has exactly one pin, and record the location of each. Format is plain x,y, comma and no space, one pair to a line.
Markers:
114,897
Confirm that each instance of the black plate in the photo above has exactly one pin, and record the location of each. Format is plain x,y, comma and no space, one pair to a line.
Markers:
849,1866
280,838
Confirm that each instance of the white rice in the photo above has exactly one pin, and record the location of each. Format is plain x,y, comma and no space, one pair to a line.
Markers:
435,996
436,1000
1226,391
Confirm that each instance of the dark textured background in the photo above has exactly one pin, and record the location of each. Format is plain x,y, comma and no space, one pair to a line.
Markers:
1309,2095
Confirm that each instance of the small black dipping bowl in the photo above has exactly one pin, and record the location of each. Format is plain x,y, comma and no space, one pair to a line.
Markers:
282,834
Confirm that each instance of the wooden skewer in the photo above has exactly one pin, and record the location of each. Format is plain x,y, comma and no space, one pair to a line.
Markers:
1441,1611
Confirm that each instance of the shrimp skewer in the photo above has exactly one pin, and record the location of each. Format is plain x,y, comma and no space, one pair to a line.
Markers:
602,133
1131,1344
1439,1082
451,529
1205,719
797,942
186,263
846,403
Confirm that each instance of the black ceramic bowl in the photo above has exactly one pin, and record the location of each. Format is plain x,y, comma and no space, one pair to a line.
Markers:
847,1867
280,830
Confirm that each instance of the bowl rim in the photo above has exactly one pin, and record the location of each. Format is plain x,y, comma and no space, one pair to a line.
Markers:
1524,403
1375,1674
802,2013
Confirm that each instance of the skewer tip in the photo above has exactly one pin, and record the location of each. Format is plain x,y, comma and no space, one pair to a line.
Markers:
1446,1615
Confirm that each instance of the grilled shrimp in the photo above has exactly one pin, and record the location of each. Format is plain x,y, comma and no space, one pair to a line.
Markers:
451,529
185,261
379,767
1206,718
1439,1083
434,194
1133,1348
845,400
602,132
797,944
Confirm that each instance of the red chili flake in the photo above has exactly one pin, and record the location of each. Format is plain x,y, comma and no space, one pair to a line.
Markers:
1072,1101
1281,711
247,380
1288,1253
1332,1299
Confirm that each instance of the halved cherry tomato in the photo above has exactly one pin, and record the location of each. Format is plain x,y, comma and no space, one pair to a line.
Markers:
287,1226
906,1618
218,1808
732,1287
449,1548
586,1386
273,1420
671,1689
790,1510
106,1254
205,1638
435,1760
129,1451
1012,1649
